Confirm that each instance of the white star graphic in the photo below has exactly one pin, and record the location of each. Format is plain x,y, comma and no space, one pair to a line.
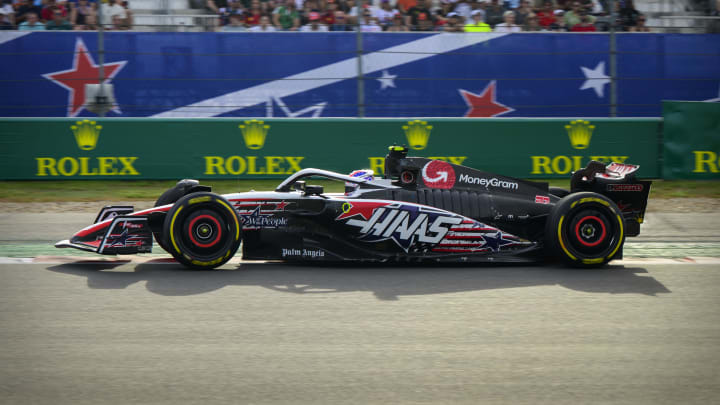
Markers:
716,99
595,79
387,80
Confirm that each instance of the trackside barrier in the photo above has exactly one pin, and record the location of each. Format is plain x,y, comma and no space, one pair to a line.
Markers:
118,148
691,135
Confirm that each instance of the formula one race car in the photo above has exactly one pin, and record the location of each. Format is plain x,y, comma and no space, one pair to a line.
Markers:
421,210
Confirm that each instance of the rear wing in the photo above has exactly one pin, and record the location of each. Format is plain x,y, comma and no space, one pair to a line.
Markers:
618,182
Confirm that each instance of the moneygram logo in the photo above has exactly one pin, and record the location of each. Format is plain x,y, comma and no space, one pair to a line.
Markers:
417,133
438,174
254,133
580,133
86,134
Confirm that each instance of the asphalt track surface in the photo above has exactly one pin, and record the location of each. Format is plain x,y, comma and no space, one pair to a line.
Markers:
120,331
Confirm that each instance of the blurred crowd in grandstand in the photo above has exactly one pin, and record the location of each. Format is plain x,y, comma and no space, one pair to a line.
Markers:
38,15
347,15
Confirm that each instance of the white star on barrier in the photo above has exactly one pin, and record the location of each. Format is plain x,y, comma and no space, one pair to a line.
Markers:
386,80
595,79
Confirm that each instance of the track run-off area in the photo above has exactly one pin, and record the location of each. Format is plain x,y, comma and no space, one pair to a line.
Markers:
85,329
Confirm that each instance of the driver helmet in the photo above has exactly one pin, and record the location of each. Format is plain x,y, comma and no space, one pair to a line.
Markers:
365,174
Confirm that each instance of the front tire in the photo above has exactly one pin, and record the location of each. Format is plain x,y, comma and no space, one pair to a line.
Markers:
202,231
585,230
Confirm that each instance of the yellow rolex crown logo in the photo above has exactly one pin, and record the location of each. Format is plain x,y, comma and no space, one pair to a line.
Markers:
86,134
580,133
417,133
254,133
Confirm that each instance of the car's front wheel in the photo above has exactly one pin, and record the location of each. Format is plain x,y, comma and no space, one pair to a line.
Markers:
202,231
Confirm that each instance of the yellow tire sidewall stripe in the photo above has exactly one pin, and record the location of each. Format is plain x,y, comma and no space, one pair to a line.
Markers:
172,229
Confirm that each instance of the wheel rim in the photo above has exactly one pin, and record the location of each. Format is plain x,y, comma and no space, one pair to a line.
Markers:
204,233
591,233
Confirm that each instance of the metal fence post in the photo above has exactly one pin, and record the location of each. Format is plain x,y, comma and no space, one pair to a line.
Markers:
360,78
613,60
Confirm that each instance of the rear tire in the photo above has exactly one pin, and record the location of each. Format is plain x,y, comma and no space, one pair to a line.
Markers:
202,231
585,230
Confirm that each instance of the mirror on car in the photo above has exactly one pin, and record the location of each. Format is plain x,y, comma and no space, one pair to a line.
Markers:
299,186
313,190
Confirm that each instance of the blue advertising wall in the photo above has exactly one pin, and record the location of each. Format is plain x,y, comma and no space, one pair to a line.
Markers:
173,75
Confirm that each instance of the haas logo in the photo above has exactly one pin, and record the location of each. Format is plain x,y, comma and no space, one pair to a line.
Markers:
438,174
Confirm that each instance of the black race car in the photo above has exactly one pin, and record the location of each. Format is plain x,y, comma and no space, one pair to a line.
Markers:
422,210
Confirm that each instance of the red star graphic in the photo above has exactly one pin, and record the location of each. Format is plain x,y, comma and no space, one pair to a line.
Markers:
280,206
484,104
360,208
84,71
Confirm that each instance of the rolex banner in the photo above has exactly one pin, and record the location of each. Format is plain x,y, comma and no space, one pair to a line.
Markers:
118,148
691,134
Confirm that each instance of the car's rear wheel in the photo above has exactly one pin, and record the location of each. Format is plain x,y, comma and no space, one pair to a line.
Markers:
585,230
202,231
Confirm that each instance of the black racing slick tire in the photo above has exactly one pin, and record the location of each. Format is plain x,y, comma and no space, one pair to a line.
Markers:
183,187
585,230
202,231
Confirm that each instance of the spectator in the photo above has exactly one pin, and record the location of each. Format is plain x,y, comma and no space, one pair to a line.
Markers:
546,16
110,11
58,22
252,16
237,24
370,23
264,25
7,17
640,25
559,24
628,15
405,5
217,6
386,14
453,23
31,23
79,12
479,6
522,12
47,12
287,17
509,24
463,9
341,22
532,24
494,14
584,25
355,12
25,7
328,18
419,18
128,20
314,25
574,16
89,24
477,24
398,24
